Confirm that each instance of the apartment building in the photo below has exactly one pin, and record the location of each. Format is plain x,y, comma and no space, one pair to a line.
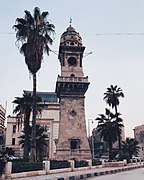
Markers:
2,127
13,132
139,136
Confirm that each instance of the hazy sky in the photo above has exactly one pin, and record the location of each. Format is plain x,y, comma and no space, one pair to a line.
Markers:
117,57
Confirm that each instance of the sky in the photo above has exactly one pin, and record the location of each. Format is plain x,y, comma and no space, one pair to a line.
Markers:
113,30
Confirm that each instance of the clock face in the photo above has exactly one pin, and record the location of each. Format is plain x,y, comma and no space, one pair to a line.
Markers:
72,61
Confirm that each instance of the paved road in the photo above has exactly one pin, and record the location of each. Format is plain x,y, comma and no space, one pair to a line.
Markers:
137,174
92,171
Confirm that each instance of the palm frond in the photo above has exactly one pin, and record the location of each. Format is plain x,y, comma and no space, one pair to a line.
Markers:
29,17
44,14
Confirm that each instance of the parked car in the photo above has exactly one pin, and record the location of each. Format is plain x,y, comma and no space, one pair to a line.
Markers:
105,157
136,159
11,157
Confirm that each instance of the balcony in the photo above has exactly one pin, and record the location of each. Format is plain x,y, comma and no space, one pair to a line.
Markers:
72,79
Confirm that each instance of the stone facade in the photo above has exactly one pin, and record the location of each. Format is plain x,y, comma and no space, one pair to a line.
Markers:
2,127
139,136
73,141
70,88
13,131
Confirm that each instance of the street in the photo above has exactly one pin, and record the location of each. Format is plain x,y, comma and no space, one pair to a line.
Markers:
137,174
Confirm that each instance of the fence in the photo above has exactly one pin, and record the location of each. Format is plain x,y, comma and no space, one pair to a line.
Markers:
48,170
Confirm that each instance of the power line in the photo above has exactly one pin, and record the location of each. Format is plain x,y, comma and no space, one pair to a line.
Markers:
5,33
117,34
96,34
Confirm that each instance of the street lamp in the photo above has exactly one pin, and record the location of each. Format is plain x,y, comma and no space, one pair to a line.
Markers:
91,120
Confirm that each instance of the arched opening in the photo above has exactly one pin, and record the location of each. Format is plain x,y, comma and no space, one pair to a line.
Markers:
72,75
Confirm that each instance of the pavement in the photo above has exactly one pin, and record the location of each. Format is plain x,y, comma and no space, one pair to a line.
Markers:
84,174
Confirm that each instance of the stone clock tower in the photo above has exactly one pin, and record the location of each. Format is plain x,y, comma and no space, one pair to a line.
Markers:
71,86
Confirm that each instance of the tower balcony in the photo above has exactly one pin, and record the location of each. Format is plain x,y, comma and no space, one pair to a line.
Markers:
72,79
71,86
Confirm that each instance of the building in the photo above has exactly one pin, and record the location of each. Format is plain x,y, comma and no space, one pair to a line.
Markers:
71,86
2,127
13,132
100,147
139,136
49,118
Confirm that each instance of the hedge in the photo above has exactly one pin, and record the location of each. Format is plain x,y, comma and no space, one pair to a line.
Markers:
59,164
96,162
81,163
26,166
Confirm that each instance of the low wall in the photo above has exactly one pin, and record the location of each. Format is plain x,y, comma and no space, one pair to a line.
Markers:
28,174
115,164
46,170
55,171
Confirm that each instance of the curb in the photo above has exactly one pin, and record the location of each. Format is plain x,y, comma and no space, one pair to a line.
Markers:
101,173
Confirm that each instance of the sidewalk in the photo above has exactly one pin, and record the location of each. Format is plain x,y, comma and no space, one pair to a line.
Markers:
77,175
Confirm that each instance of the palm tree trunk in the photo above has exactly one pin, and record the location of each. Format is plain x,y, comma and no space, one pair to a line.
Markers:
110,150
33,142
26,140
119,136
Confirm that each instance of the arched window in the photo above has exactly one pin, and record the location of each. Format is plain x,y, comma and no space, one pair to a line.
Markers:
72,75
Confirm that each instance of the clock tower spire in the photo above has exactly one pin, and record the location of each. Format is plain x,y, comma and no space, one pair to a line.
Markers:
71,86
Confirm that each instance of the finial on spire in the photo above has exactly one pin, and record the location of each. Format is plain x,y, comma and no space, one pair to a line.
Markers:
70,21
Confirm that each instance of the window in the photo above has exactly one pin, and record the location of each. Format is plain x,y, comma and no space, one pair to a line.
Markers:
13,141
72,43
14,128
74,144
72,75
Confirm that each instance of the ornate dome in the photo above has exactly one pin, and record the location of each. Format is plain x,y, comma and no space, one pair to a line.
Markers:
70,38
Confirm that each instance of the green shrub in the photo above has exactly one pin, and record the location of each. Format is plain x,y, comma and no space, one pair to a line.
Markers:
96,162
20,166
81,163
59,164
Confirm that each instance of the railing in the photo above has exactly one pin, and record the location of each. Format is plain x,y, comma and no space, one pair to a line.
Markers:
72,79
69,166
50,168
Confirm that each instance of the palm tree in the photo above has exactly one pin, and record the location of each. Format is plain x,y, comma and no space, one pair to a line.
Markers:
41,140
119,125
23,110
109,128
130,147
112,99
34,32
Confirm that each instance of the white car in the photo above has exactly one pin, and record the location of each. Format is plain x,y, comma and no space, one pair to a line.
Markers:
11,157
136,158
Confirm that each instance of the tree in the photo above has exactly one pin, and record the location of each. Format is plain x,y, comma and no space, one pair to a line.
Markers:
41,140
130,147
109,128
9,151
23,110
34,32
112,99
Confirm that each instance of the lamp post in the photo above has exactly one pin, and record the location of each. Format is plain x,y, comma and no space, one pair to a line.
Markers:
91,120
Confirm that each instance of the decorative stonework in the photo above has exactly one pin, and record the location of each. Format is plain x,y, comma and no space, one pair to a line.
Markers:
73,113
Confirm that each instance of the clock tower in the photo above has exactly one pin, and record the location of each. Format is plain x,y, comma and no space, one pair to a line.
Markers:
71,86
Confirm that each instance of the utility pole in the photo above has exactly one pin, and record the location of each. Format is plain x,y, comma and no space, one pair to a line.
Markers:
90,121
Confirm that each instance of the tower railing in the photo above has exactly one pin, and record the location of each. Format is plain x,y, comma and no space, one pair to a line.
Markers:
72,79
